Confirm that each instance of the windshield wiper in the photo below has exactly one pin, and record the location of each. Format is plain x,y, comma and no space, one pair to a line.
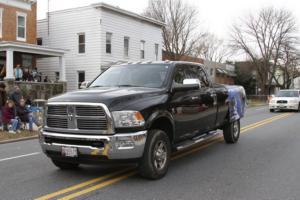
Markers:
127,85
95,86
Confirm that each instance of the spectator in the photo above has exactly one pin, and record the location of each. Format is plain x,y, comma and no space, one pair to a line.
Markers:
25,74
2,73
16,96
3,99
25,115
9,117
30,76
46,80
18,72
34,73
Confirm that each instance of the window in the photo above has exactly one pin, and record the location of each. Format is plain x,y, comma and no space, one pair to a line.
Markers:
126,47
142,49
57,76
1,21
21,26
27,60
156,47
39,41
190,72
81,78
108,42
81,43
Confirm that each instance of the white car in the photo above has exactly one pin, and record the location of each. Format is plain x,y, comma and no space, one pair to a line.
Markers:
285,100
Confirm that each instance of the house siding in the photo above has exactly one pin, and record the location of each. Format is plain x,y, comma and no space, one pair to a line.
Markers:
63,33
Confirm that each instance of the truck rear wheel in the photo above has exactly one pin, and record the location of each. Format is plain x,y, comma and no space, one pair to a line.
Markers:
65,165
231,132
155,161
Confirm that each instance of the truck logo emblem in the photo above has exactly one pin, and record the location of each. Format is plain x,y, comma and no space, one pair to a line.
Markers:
70,113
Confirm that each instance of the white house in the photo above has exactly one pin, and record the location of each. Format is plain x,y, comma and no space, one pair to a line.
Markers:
96,36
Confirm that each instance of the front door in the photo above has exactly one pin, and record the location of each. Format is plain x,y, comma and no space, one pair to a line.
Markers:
193,110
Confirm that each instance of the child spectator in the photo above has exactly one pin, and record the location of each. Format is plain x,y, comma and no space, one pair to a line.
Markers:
25,115
9,117
18,72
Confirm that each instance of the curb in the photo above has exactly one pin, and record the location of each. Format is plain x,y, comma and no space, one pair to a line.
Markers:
18,139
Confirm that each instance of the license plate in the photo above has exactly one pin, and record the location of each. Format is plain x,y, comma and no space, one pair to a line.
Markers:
69,151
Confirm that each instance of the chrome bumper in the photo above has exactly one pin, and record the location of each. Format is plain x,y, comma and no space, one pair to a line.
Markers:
286,106
118,146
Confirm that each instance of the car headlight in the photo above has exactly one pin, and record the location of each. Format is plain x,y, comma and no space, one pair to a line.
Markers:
272,101
293,101
126,119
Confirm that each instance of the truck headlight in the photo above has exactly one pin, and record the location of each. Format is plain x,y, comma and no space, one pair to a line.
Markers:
126,119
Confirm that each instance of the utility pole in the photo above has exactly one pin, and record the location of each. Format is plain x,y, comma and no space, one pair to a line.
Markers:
48,17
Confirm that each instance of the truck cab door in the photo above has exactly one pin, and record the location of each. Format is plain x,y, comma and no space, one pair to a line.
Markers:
192,109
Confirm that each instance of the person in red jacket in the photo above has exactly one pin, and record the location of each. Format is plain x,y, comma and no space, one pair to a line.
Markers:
9,117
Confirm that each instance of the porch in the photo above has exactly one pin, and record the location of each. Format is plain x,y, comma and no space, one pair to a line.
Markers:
26,56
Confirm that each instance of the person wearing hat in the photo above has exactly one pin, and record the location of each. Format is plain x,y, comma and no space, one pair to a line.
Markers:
3,99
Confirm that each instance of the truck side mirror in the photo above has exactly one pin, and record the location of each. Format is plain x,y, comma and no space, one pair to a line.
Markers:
85,84
188,84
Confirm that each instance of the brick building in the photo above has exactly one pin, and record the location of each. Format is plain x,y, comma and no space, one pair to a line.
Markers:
18,42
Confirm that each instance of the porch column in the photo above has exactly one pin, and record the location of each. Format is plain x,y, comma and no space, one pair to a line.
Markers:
10,65
62,65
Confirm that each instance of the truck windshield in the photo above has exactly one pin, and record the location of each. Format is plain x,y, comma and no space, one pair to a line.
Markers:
139,75
287,94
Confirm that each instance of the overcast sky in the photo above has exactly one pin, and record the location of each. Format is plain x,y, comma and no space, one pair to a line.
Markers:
215,15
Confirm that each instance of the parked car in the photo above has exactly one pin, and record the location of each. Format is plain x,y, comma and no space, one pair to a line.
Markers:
285,100
140,112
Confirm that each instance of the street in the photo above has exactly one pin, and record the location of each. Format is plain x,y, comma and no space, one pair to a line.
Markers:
264,164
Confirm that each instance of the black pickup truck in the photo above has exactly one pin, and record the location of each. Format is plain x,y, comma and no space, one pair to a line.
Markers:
141,113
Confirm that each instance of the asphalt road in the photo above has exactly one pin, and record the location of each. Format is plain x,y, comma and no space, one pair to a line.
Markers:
264,164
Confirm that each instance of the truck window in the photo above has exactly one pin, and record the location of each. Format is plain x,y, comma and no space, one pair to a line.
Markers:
190,72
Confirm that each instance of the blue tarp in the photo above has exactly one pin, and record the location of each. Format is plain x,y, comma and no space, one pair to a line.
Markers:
237,102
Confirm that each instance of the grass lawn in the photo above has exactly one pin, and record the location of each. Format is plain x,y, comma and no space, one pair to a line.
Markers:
8,136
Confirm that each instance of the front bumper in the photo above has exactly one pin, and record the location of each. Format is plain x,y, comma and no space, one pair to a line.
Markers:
285,106
111,147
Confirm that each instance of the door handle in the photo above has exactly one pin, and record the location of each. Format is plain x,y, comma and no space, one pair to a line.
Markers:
195,97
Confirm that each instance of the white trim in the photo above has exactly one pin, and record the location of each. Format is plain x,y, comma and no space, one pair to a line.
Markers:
1,22
128,13
23,4
21,14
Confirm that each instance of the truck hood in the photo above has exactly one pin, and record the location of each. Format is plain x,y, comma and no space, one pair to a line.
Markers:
115,98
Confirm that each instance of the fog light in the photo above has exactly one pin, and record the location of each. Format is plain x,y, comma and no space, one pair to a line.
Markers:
124,144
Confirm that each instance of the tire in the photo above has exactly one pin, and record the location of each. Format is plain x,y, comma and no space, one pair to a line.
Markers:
271,110
155,161
65,165
231,132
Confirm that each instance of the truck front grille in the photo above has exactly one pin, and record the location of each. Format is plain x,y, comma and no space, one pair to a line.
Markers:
92,124
81,119
57,123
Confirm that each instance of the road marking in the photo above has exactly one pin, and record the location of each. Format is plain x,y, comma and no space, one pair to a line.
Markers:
130,172
83,184
20,156
99,186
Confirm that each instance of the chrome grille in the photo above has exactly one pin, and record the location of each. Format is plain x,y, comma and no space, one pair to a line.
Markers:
90,111
282,101
92,124
78,118
57,110
57,123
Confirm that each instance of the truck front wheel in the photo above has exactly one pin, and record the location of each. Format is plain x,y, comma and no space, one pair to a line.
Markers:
155,161
231,132
65,165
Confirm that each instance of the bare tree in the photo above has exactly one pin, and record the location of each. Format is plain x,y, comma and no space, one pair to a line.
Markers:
180,30
262,37
211,48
